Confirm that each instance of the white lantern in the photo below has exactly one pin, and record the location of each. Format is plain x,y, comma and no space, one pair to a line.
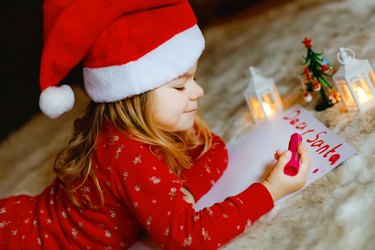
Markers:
262,97
355,81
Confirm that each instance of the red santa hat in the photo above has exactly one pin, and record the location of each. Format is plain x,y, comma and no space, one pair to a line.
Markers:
127,47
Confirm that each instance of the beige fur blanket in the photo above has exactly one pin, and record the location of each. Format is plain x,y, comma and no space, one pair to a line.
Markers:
337,211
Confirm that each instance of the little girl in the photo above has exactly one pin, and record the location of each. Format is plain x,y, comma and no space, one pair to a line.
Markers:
139,157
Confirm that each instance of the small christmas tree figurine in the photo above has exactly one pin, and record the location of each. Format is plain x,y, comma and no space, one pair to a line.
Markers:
316,68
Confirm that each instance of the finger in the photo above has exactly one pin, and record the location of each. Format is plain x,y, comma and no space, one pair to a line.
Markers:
284,159
301,148
305,159
305,155
277,154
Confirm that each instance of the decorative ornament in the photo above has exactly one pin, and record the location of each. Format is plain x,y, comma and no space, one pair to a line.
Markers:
334,96
316,68
317,86
307,97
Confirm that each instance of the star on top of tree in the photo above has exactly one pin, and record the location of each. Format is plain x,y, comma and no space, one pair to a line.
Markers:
307,42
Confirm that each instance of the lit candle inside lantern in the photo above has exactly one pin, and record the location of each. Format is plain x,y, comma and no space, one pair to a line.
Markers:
267,109
363,97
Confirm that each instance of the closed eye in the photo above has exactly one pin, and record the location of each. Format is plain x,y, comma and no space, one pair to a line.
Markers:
180,88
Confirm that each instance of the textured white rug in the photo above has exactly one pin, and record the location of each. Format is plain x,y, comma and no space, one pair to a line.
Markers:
337,211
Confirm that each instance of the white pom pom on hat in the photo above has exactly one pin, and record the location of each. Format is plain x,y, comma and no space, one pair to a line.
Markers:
126,48
55,101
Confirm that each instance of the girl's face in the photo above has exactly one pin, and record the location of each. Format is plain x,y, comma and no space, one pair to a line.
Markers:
174,104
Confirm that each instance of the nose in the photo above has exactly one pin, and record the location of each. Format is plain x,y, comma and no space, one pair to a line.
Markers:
196,91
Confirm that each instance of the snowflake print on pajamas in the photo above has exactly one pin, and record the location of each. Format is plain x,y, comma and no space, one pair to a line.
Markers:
172,193
210,212
114,139
188,240
118,151
248,223
85,189
205,234
137,160
74,233
125,175
196,217
4,224
108,234
208,169
112,213
218,171
148,222
155,180
166,232
137,187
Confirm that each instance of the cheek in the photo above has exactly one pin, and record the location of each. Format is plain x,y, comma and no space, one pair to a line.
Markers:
169,106
168,114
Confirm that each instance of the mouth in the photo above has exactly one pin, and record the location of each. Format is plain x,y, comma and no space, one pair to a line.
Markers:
190,111
193,108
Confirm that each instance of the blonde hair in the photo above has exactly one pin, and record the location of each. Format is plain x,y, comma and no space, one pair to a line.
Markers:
132,115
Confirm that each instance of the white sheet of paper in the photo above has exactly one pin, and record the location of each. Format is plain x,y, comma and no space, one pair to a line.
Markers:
253,153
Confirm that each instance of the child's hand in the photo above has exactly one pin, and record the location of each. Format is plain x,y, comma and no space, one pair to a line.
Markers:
278,183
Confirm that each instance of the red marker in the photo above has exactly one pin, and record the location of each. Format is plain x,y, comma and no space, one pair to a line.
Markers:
291,168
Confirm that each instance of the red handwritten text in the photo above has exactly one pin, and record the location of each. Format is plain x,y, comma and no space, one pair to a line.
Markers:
313,137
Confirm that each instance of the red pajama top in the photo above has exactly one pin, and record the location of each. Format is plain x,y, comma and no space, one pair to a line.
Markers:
141,197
